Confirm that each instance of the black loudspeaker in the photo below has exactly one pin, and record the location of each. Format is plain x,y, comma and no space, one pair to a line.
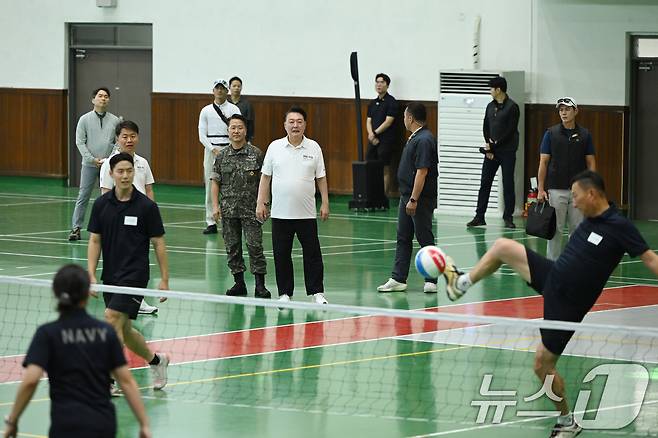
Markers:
368,186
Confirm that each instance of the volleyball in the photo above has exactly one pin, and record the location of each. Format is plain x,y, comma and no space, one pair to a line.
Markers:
430,261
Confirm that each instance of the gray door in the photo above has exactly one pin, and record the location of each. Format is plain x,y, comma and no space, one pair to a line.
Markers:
128,75
645,154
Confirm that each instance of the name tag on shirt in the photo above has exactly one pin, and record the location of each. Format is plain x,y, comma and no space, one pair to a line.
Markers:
594,238
130,220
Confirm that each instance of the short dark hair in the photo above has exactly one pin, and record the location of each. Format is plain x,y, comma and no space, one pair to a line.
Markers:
498,82
126,124
123,156
71,287
589,179
95,92
296,109
234,78
238,117
417,111
385,77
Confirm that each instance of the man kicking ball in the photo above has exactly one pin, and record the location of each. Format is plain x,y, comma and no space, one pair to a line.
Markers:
571,284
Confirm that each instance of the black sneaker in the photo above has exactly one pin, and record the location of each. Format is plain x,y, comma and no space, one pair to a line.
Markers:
560,431
74,234
509,224
238,290
210,229
476,222
262,292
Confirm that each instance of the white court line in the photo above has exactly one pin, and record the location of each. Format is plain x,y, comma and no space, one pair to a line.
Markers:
34,234
43,256
204,252
354,216
527,420
54,201
36,275
33,196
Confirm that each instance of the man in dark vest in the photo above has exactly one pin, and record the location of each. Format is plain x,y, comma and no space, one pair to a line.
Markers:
565,151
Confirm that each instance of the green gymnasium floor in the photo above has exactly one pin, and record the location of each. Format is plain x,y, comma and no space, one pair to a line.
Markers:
263,373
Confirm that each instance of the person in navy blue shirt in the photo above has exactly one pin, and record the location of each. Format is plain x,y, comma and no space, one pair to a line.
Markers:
417,177
380,125
565,151
79,354
571,284
123,223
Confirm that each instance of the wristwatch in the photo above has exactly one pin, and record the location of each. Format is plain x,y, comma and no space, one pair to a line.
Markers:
412,200
8,422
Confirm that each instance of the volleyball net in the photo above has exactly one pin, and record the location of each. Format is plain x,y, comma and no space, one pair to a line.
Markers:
439,366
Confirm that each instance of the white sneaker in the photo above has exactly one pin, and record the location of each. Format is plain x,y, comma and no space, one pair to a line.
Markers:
319,298
115,391
159,372
429,288
392,286
146,309
560,431
284,299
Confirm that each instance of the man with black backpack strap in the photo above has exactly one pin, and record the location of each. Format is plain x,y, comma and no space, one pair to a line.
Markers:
213,134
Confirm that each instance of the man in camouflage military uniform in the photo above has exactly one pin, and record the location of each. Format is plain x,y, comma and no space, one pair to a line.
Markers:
235,179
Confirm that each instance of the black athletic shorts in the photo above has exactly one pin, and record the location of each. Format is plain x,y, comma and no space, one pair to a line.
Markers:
557,306
381,152
128,304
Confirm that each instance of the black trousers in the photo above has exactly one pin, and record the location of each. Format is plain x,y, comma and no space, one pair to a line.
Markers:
283,233
419,225
506,160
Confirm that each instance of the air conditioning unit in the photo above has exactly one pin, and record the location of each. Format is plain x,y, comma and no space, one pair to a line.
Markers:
463,98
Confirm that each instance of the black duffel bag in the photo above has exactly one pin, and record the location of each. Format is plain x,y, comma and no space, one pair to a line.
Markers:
541,220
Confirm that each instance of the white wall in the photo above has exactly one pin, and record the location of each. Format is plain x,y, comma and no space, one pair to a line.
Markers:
581,48
301,47
294,47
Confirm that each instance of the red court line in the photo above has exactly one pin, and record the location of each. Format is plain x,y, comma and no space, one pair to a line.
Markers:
326,333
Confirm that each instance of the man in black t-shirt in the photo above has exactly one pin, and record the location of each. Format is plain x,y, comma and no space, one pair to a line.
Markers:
382,112
122,224
571,284
417,175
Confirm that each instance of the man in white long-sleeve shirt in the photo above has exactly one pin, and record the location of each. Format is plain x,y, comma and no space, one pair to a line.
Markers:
213,134
94,137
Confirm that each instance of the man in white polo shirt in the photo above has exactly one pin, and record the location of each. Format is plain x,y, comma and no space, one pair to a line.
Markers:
291,167
213,134
127,134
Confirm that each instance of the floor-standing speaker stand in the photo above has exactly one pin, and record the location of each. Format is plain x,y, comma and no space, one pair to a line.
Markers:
367,176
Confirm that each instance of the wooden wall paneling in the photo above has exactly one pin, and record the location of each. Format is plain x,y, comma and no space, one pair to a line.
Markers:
33,132
608,126
177,155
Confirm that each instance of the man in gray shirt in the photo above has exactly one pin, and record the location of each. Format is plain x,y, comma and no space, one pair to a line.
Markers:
94,137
